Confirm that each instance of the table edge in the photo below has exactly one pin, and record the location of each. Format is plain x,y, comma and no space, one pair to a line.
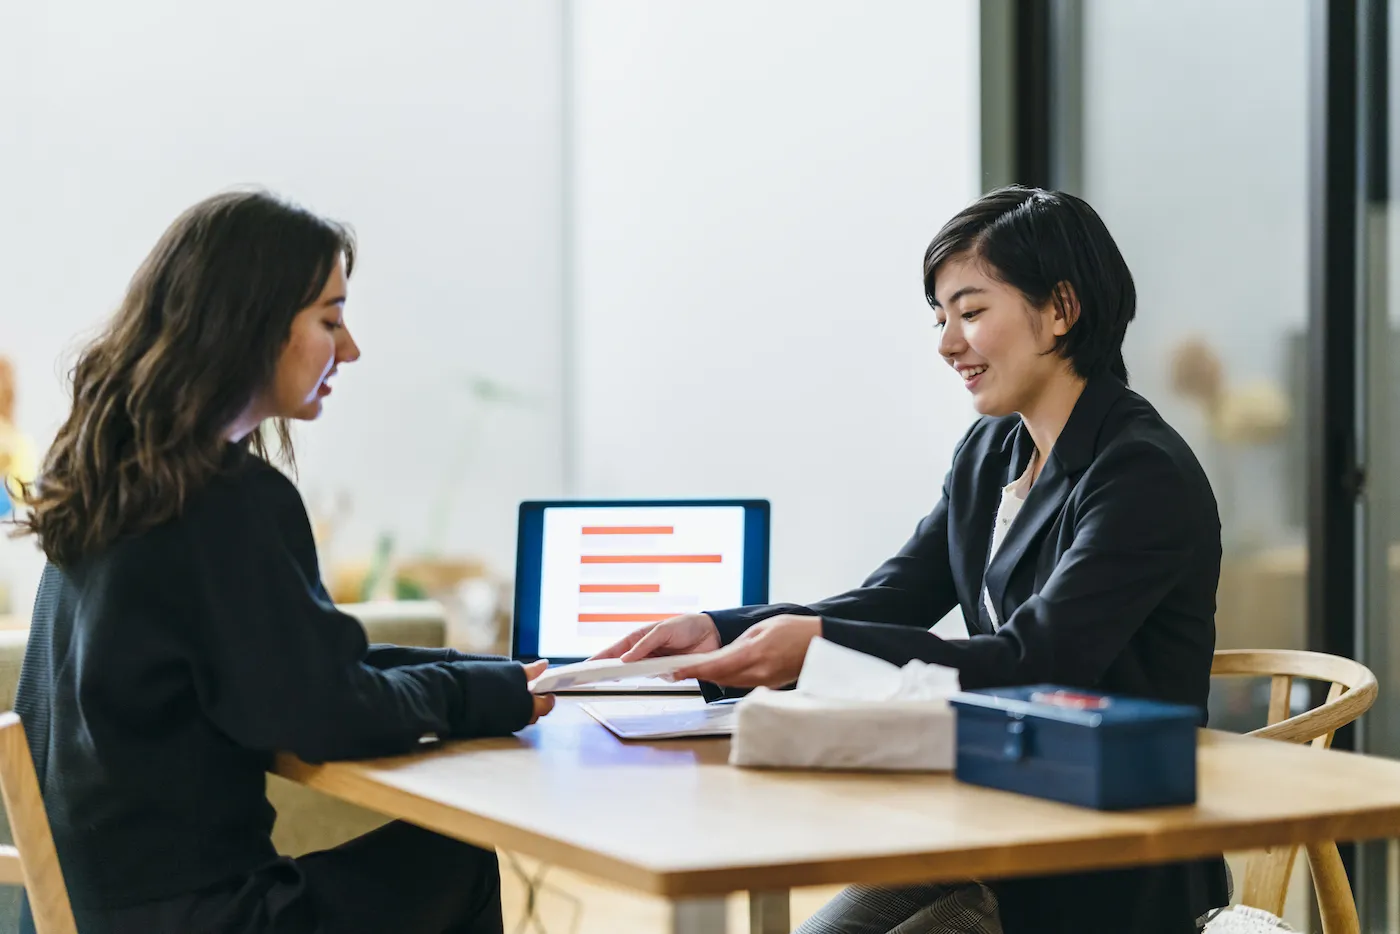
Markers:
1127,849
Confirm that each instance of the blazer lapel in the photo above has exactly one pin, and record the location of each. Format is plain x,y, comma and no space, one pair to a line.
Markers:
1074,450
973,540
1044,502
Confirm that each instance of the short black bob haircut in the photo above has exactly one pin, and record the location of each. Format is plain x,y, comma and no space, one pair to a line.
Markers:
1033,240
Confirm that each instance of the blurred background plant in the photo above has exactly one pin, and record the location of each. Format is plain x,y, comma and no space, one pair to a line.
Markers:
1252,416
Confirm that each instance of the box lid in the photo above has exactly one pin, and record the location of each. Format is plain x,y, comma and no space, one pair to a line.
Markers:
1071,705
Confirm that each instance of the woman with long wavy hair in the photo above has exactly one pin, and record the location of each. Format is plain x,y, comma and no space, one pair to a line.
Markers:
182,635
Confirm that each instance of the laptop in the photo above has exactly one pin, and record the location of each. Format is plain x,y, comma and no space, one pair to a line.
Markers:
588,572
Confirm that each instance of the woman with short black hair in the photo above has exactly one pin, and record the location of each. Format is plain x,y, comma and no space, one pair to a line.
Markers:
1076,531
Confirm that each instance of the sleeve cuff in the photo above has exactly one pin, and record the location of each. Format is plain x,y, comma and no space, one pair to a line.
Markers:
730,624
843,633
453,655
496,700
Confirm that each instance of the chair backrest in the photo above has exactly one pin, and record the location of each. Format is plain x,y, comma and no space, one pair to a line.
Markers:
1352,692
32,862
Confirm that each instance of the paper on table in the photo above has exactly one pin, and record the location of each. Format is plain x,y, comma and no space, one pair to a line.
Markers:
610,669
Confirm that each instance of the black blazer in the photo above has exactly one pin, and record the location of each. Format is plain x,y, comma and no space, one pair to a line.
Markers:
1105,580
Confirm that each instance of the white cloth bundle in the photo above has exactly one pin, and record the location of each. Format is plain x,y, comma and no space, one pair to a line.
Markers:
850,711
1244,920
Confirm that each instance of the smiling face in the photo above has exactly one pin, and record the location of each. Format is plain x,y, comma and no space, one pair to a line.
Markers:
317,345
1000,345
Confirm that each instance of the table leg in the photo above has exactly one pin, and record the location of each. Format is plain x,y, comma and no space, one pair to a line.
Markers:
533,886
699,916
768,913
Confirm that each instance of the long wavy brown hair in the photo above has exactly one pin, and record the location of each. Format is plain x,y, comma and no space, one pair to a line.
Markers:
194,342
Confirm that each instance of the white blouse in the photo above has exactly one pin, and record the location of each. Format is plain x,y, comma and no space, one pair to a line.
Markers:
1013,497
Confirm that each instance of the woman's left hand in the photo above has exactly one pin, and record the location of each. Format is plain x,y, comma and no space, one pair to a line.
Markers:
769,654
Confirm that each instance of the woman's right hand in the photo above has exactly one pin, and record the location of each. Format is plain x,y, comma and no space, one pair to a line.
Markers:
679,635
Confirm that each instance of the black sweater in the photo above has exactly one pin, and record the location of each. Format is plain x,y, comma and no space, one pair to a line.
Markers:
163,673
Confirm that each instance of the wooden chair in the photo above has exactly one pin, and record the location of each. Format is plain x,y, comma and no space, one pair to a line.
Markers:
34,862
1352,692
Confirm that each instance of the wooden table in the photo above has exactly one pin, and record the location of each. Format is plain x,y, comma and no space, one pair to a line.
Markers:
673,819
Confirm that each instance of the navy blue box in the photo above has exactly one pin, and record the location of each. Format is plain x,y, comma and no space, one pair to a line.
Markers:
1096,750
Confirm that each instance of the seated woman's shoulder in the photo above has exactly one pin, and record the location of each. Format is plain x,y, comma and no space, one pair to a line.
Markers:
246,484
1141,429
1154,455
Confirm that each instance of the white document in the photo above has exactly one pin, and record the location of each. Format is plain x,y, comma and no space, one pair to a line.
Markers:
610,669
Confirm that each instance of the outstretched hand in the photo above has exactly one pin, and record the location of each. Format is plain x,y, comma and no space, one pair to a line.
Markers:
679,635
769,654
544,703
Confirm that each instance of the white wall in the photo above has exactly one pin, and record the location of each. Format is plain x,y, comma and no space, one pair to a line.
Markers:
432,127
755,185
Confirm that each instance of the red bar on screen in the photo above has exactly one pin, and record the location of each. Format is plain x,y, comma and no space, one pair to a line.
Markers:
623,617
651,559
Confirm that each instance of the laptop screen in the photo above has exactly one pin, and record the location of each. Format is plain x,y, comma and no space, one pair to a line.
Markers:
589,572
